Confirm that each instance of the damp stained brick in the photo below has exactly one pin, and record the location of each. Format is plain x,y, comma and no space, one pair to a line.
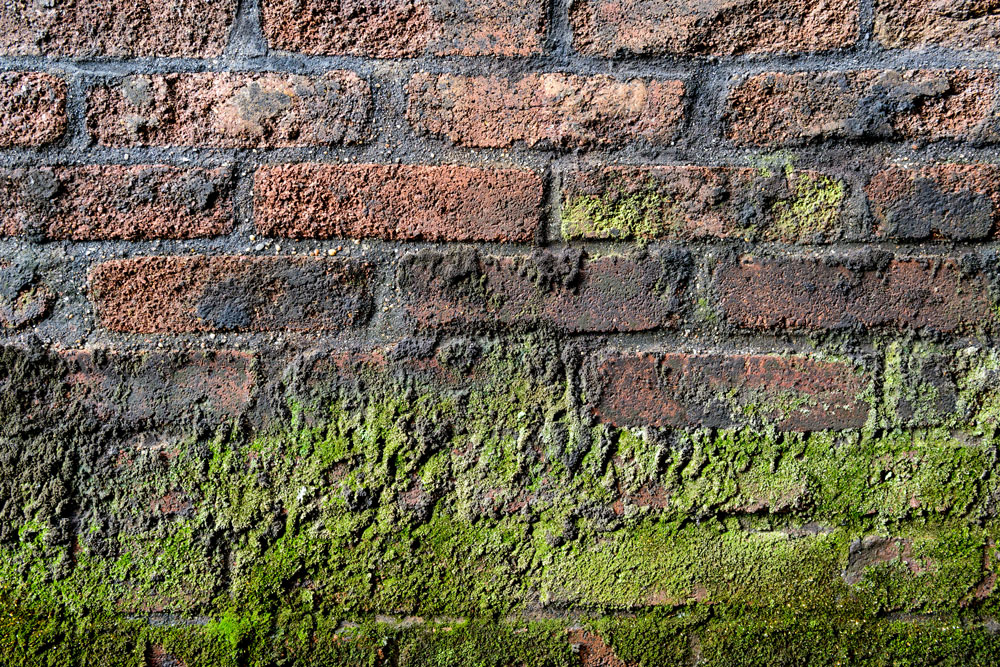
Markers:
100,202
550,109
864,292
398,202
115,28
32,109
231,293
558,289
694,203
231,110
795,393
950,202
970,25
711,27
406,28
790,109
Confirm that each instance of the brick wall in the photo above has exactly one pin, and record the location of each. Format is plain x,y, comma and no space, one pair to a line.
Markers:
499,332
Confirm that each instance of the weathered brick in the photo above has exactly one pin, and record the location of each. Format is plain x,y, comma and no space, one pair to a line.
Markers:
721,390
950,201
406,28
971,25
791,109
229,110
702,202
118,28
32,109
25,298
868,291
559,289
231,293
116,202
554,109
711,27
157,388
410,202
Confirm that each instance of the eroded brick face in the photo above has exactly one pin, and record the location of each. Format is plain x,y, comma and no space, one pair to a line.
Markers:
972,26
32,109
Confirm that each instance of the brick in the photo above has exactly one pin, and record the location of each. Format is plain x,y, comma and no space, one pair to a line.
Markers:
157,388
231,110
117,28
116,202
802,107
626,203
950,201
24,298
32,109
559,289
231,293
872,291
401,202
406,28
795,393
552,109
711,27
971,26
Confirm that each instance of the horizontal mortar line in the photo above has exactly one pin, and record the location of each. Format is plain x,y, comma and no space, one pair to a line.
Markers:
634,65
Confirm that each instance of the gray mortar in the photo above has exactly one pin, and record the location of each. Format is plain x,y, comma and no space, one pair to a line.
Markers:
64,265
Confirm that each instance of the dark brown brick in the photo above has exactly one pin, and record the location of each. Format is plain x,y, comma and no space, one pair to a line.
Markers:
703,202
551,109
157,388
406,28
972,25
557,289
808,293
802,107
410,202
229,110
724,390
711,27
116,202
117,28
949,201
32,109
230,293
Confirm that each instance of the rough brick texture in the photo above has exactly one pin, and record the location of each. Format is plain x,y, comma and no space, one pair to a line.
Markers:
553,109
32,109
226,110
115,28
674,389
178,294
381,29
871,291
398,202
803,107
114,202
972,25
711,27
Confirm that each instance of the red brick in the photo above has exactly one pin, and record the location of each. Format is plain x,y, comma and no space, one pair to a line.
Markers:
557,289
554,109
116,202
972,25
719,390
949,201
119,28
230,293
808,293
711,27
406,28
791,109
408,202
231,110
702,202
158,388
32,109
